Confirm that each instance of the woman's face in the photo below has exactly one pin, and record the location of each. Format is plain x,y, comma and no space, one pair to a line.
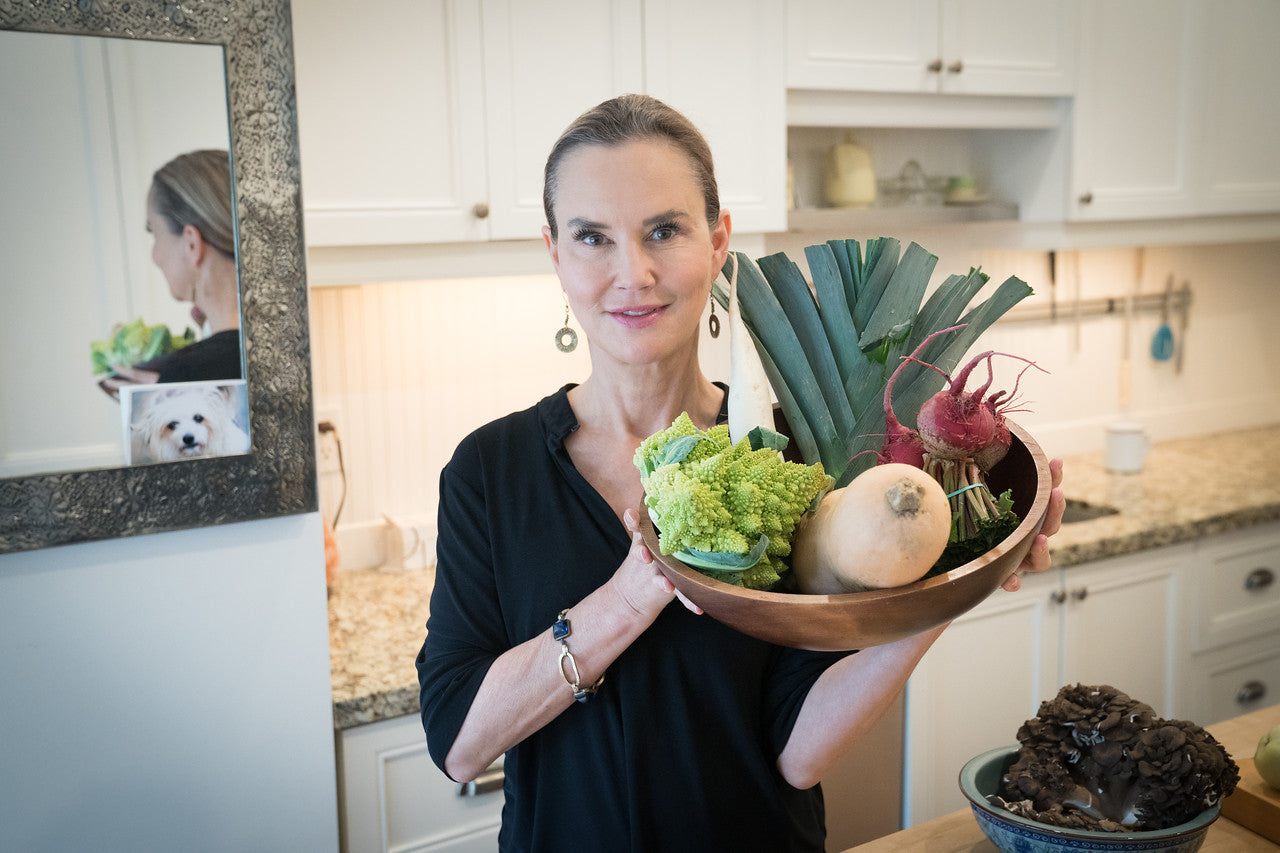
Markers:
635,254
170,253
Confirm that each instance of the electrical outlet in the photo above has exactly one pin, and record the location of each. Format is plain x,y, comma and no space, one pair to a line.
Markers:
328,447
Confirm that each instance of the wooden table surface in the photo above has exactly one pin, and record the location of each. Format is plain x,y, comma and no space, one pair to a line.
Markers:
958,832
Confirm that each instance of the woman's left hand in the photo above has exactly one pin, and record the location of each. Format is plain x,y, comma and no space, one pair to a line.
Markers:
121,376
1037,559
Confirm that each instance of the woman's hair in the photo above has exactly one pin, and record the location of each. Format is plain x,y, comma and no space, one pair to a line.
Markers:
195,189
628,118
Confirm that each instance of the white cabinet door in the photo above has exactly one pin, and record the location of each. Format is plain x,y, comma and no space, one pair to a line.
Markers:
862,45
1122,627
1176,113
390,121
975,47
546,62
734,94
1133,110
984,677
1240,113
393,798
1008,47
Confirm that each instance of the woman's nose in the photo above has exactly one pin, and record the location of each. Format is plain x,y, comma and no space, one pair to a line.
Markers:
635,266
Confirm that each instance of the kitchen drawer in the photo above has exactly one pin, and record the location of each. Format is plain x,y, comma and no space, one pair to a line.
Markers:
1244,684
393,798
1238,584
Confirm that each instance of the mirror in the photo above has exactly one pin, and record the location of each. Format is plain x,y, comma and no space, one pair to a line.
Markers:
80,497
103,114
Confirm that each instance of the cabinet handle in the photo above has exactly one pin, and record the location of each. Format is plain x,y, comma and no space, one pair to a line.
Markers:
1250,691
1057,596
486,783
1259,579
935,67
955,67
1080,594
480,210
1087,198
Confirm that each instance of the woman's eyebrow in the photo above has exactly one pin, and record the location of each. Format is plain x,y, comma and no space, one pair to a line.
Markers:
668,216
578,222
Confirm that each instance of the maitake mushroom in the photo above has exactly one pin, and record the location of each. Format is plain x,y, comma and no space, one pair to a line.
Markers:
1095,759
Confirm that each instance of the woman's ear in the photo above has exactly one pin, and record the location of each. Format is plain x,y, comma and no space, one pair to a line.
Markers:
552,246
194,243
720,238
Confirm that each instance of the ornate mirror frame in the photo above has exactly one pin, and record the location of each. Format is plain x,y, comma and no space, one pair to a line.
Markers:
278,476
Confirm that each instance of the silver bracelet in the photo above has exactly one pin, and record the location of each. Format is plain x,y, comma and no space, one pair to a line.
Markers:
560,631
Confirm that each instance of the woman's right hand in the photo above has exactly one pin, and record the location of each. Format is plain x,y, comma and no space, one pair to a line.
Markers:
641,581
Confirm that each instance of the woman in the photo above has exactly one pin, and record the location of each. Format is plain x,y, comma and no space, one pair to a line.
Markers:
698,737
190,219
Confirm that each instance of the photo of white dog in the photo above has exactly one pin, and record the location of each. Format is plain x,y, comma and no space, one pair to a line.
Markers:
168,423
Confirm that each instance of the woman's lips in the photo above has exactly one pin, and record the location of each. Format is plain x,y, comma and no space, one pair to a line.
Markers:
638,317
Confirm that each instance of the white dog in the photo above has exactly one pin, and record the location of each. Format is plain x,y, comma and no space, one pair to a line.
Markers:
183,423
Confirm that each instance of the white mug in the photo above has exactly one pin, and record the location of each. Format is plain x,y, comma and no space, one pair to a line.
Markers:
1126,448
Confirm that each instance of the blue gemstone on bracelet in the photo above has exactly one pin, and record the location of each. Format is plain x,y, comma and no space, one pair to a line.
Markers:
560,629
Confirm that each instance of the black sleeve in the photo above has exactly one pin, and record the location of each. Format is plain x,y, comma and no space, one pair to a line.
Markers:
794,672
464,630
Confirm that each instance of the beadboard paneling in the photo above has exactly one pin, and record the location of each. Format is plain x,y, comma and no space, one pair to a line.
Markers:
407,369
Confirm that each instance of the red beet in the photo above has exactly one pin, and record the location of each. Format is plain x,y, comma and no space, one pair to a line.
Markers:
1000,405
901,443
953,424
957,425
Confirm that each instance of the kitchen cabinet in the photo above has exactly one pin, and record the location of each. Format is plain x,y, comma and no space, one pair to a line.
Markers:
1172,115
1112,622
740,106
436,124
393,798
969,47
986,674
1235,625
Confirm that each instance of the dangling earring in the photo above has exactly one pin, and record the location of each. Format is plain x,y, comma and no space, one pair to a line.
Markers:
713,322
566,338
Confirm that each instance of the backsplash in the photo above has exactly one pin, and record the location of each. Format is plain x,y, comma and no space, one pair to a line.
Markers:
406,369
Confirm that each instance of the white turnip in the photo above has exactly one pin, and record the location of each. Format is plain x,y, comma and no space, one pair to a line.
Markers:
750,399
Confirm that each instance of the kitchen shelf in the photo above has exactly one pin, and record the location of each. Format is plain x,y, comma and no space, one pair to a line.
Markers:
888,219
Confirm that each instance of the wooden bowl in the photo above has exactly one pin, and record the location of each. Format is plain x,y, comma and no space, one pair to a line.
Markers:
859,619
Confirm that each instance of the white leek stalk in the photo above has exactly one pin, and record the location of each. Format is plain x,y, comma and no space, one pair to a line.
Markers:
750,398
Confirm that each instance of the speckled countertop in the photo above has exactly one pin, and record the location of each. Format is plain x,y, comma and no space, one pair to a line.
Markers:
1189,488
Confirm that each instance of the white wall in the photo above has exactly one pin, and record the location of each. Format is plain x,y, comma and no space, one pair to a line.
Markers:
168,692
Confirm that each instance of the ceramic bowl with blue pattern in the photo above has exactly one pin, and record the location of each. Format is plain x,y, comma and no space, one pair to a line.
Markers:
980,781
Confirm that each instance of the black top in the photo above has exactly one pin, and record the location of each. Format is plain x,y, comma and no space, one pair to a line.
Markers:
678,749
215,357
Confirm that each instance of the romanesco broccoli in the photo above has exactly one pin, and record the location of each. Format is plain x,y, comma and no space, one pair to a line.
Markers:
728,510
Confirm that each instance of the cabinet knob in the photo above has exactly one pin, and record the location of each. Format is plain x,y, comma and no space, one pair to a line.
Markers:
1080,594
935,67
1260,578
1250,691
955,67
1087,198
480,210
1057,596
486,783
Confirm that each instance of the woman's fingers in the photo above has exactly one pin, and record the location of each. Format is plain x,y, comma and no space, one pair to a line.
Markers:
689,605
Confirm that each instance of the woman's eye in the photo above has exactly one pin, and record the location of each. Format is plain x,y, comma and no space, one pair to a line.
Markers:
589,238
664,232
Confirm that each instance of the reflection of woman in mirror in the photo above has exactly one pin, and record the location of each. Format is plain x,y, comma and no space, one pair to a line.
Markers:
189,217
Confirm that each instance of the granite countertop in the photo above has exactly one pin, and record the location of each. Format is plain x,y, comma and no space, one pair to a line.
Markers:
1189,488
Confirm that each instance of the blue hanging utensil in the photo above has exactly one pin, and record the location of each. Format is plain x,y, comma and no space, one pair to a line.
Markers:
1162,347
